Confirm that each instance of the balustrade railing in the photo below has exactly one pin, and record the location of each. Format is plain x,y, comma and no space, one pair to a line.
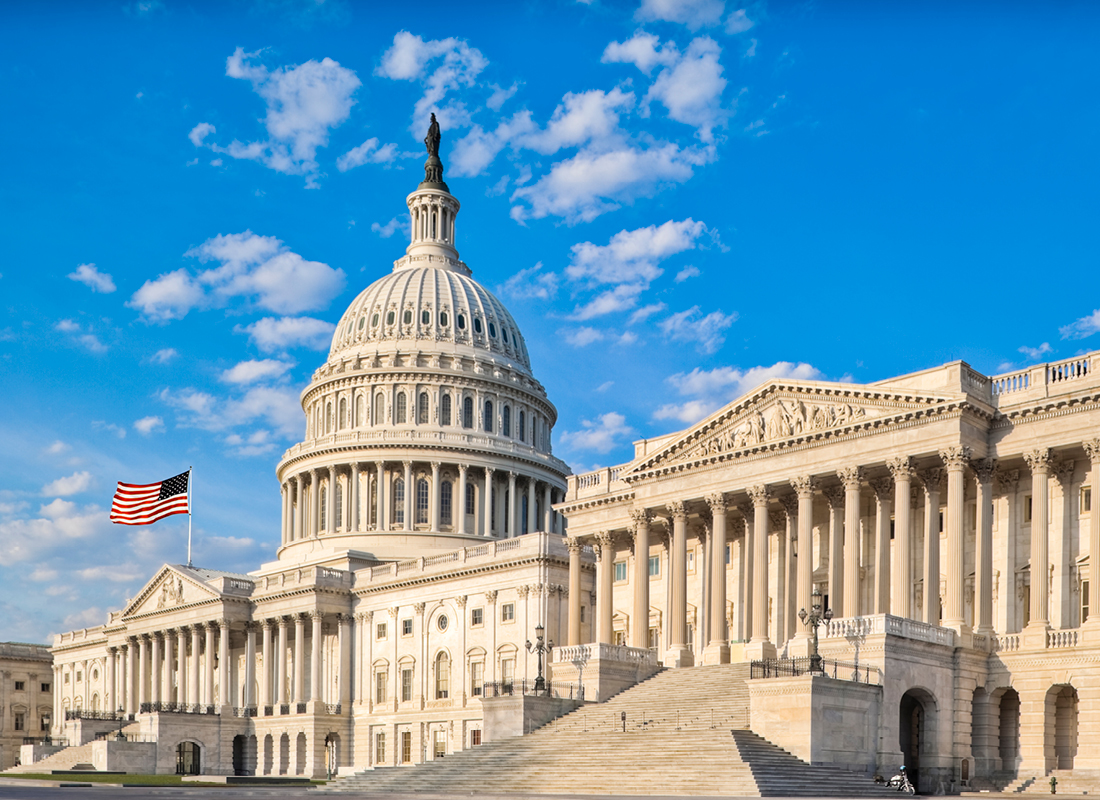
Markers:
1061,639
109,716
176,708
333,708
47,741
301,708
244,711
115,736
831,668
284,708
558,689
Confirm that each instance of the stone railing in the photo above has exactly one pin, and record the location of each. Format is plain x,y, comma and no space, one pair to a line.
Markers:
583,653
860,627
1041,380
600,481
1006,643
1057,639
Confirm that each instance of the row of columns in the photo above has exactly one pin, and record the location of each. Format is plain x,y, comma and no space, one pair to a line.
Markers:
301,501
893,578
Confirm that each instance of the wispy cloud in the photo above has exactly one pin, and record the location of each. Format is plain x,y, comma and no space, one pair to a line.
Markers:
1086,326
600,435
92,278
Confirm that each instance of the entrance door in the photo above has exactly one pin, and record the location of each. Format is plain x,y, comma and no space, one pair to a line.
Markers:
187,759
238,755
440,744
911,734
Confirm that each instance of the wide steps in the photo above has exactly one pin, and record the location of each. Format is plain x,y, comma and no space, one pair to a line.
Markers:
64,759
1069,782
686,734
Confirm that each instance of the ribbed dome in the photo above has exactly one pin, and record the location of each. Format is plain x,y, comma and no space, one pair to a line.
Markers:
421,306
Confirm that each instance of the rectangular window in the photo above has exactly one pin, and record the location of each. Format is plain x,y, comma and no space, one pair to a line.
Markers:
470,507
691,561
582,613
65,678
507,671
477,679
729,556
406,685
79,677
1084,601
380,630
19,721
19,686
380,748
406,627
620,571
1027,606
475,738
380,687
654,638
45,723
620,637
45,687
508,612
406,747
1086,499
891,527
477,617
1027,508
655,565
440,748
941,522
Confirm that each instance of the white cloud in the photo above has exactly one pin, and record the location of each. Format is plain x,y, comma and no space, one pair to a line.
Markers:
304,103
633,256
390,228
148,425
92,278
593,182
627,337
259,268
645,312
1086,326
531,282
91,342
73,484
271,334
371,152
500,96
739,22
164,355
255,444
691,90
57,448
601,435
67,326
621,298
583,336
1035,353
714,388
603,387
580,118
59,524
275,407
117,430
687,272
456,66
750,51
475,151
692,13
643,50
89,617
692,326
253,371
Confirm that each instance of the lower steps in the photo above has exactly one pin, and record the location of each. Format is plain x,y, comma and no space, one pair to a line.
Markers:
1069,782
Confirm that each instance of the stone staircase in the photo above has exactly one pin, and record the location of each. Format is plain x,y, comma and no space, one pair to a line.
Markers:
1069,782
64,759
686,734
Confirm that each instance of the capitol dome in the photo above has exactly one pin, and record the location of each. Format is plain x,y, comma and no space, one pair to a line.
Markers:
426,429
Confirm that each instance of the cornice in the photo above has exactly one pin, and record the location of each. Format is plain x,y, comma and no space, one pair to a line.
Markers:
595,502
1060,407
481,569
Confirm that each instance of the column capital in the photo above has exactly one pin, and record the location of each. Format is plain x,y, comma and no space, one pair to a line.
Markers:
1092,450
112,650
746,511
436,466
984,469
460,601
716,502
461,468
1063,472
573,543
221,622
790,505
379,464
489,471
851,477
901,467
883,489
605,539
316,615
491,596
676,509
835,497
251,626
1007,480
956,457
418,608
759,495
778,520
931,478
640,516
803,485
393,611
1038,461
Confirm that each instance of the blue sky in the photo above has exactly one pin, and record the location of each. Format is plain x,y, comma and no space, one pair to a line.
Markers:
675,198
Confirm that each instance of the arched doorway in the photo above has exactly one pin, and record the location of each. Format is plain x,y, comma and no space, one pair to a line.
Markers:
1061,727
1009,730
300,755
332,752
238,755
915,731
188,759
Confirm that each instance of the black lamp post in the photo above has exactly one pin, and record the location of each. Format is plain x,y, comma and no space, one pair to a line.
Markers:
539,647
121,721
815,619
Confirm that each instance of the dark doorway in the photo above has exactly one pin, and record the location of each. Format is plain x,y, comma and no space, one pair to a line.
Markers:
911,735
1010,730
187,759
238,756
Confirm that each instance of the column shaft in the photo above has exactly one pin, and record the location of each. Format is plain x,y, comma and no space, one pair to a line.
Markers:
574,546
267,671
300,511
884,494
315,502
250,665
547,509
513,522
804,487
532,507
459,502
112,677
299,658
759,631
181,673
851,478
344,672
410,491
194,687
353,523
167,670
835,496
983,551
155,677
433,510
487,505
718,636
280,664
640,626
315,659
225,683
1039,461
901,590
956,458
142,672
604,603
1092,450
931,480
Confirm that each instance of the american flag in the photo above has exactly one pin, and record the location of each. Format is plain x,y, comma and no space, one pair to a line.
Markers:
145,504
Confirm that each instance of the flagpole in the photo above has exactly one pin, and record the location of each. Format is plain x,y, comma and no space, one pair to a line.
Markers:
190,484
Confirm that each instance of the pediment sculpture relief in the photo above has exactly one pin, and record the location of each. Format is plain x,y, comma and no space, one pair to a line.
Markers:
171,593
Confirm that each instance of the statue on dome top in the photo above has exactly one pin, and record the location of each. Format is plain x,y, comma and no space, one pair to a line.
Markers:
432,139
433,167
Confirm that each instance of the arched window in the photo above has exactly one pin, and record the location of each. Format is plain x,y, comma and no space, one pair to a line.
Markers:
399,501
358,411
523,513
522,426
442,676
470,498
422,409
339,506
328,417
373,513
343,413
468,412
400,408
379,406
506,422
324,507
445,497
445,410
422,502
487,422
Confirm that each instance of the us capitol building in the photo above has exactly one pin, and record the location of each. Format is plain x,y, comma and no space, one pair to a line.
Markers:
943,522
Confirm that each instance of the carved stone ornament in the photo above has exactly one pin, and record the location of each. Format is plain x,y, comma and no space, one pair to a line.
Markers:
956,457
1038,461
573,543
1007,481
640,516
984,469
883,489
850,477
901,467
932,478
1092,450
491,596
1063,472
716,502
835,497
790,505
676,509
759,495
171,593
803,485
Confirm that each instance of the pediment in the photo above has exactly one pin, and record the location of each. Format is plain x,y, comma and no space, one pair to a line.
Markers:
779,414
169,589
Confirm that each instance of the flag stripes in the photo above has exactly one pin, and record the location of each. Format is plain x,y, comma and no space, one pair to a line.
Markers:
144,504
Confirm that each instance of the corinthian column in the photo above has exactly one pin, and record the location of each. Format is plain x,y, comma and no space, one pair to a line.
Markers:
931,479
679,655
639,633
488,502
315,658
760,646
1092,450
299,658
574,545
901,467
835,496
459,503
410,490
380,496
315,502
983,550
717,650
604,603
956,459
1038,461
193,685
851,477
804,583
884,496
352,523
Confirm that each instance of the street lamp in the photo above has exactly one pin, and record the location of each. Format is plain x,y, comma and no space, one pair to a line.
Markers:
539,647
814,619
121,721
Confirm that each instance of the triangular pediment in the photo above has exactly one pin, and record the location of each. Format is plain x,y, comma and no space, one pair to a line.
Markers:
782,413
171,588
